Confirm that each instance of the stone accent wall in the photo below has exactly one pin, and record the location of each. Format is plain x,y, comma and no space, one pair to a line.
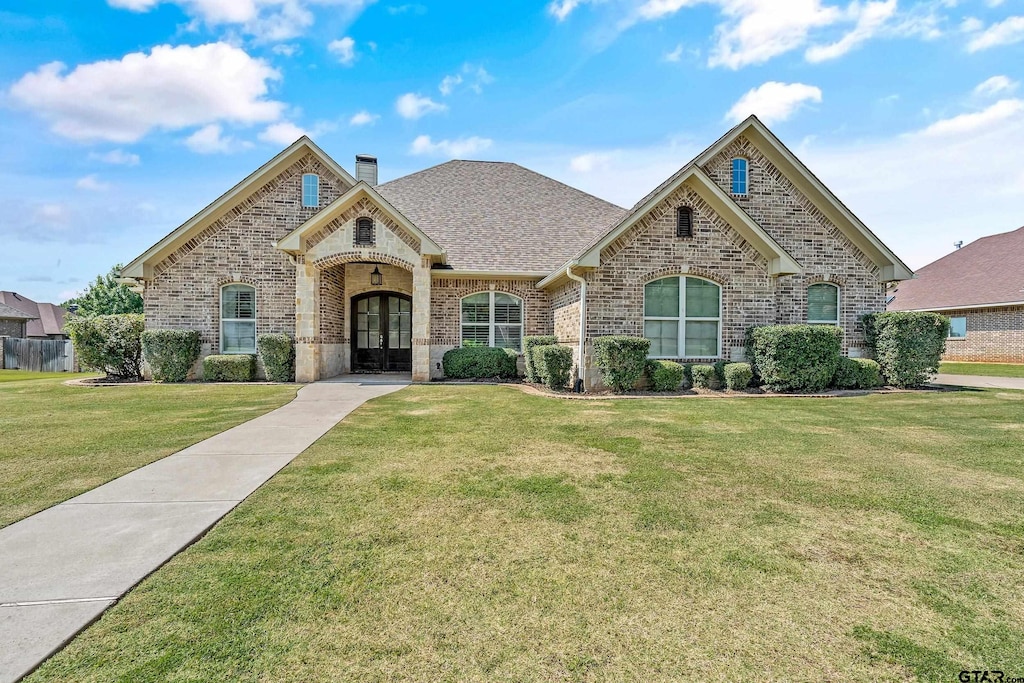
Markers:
994,335
446,312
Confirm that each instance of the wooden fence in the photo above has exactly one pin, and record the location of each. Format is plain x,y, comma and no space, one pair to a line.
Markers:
38,355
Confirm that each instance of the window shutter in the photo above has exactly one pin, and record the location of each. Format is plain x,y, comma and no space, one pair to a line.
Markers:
684,222
364,231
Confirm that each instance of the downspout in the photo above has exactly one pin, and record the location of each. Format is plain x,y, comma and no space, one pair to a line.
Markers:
581,383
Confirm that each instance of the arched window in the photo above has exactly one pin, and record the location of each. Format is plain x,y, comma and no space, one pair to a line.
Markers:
364,232
237,319
823,304
739,176
492,319
683,317
310,190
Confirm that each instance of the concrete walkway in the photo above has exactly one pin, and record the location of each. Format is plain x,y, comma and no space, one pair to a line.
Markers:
61,568
980,381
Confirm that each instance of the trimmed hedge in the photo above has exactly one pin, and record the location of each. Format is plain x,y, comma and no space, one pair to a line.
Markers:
857,373
622,360
907,345
665,375
553,365
170,353
796,357
738,376
687,376
238,367
278,354
529,344
111,344
479,362
705,377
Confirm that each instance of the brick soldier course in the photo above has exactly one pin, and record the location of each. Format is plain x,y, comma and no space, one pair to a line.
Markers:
462,228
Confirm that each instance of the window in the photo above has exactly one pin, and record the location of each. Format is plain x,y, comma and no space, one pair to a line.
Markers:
957,328
492,319
311,190
364,231
683,317
684,222
739,176
823,304
237,319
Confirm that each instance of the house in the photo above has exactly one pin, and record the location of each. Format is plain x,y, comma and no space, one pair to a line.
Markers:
980,287
13,321
44,321
388,277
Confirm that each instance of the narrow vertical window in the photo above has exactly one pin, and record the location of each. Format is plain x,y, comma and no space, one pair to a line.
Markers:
364,232
311,190
684,222
739,176
237,319
823,304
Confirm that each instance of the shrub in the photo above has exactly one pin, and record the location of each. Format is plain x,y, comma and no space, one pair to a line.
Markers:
687,375
857,373
529,344
719,366
665,375
796,357
278,354
553,364
170,353
907,345
238,367
621,359
705,377
478,362
111,344
738,376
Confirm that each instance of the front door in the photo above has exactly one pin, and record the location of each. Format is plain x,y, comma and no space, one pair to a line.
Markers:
381,332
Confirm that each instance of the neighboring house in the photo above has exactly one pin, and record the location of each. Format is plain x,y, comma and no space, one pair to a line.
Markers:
981,288
388,277
46,321
12,321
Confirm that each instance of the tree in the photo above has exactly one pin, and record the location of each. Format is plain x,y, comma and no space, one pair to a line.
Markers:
106,296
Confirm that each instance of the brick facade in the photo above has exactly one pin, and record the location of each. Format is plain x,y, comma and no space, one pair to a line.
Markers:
12,328
994,335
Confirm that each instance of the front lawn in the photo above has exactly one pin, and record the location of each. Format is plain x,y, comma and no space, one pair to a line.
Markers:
983,369
477,533
58,441
25,375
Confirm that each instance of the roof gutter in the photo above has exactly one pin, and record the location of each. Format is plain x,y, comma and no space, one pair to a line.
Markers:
970,307
582,366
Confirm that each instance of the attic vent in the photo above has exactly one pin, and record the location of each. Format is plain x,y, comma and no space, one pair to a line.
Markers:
684,222
364,232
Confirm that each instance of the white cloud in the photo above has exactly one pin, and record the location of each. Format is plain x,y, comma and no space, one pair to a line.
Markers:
344,49
966,124
758,30
413,106
591,161
459,148
210,140
1006,32
773,101
473,75
118,157
675,55
92,183
871,18
561,9
286,49
363,118
656,9
282,133
995,85
448,84
171,88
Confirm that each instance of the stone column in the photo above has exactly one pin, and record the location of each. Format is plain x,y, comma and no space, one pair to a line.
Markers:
307,322
421,321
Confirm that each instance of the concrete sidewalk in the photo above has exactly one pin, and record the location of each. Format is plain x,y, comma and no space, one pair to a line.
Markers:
979,381
61,568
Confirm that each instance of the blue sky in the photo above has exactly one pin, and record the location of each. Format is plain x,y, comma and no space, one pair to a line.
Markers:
121,119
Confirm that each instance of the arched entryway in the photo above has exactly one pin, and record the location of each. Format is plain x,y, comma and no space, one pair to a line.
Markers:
381,332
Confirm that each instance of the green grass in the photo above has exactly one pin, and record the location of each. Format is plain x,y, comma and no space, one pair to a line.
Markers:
58,441
25,375
983,369
477,533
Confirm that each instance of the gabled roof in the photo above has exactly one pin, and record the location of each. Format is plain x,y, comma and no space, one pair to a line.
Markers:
9,313
292,242
141,266
986,272
499,217
44,319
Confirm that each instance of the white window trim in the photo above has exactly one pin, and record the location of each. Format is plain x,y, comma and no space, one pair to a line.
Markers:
951,337
746,176
682,319
490,317
839,305
303,199
253,319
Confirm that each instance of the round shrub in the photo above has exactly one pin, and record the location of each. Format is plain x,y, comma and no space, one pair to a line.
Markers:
796,357
236,367
738,376
111,344
479,362
705,377
529,344
907,345
857,373
553,365
170,353
665,375
278,354
621,359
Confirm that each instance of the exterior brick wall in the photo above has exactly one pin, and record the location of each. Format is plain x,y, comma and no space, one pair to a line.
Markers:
565,311
12,328
994,335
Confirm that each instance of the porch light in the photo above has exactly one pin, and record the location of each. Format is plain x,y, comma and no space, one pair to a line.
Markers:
376,279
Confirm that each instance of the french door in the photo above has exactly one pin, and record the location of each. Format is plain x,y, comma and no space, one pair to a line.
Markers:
381,332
